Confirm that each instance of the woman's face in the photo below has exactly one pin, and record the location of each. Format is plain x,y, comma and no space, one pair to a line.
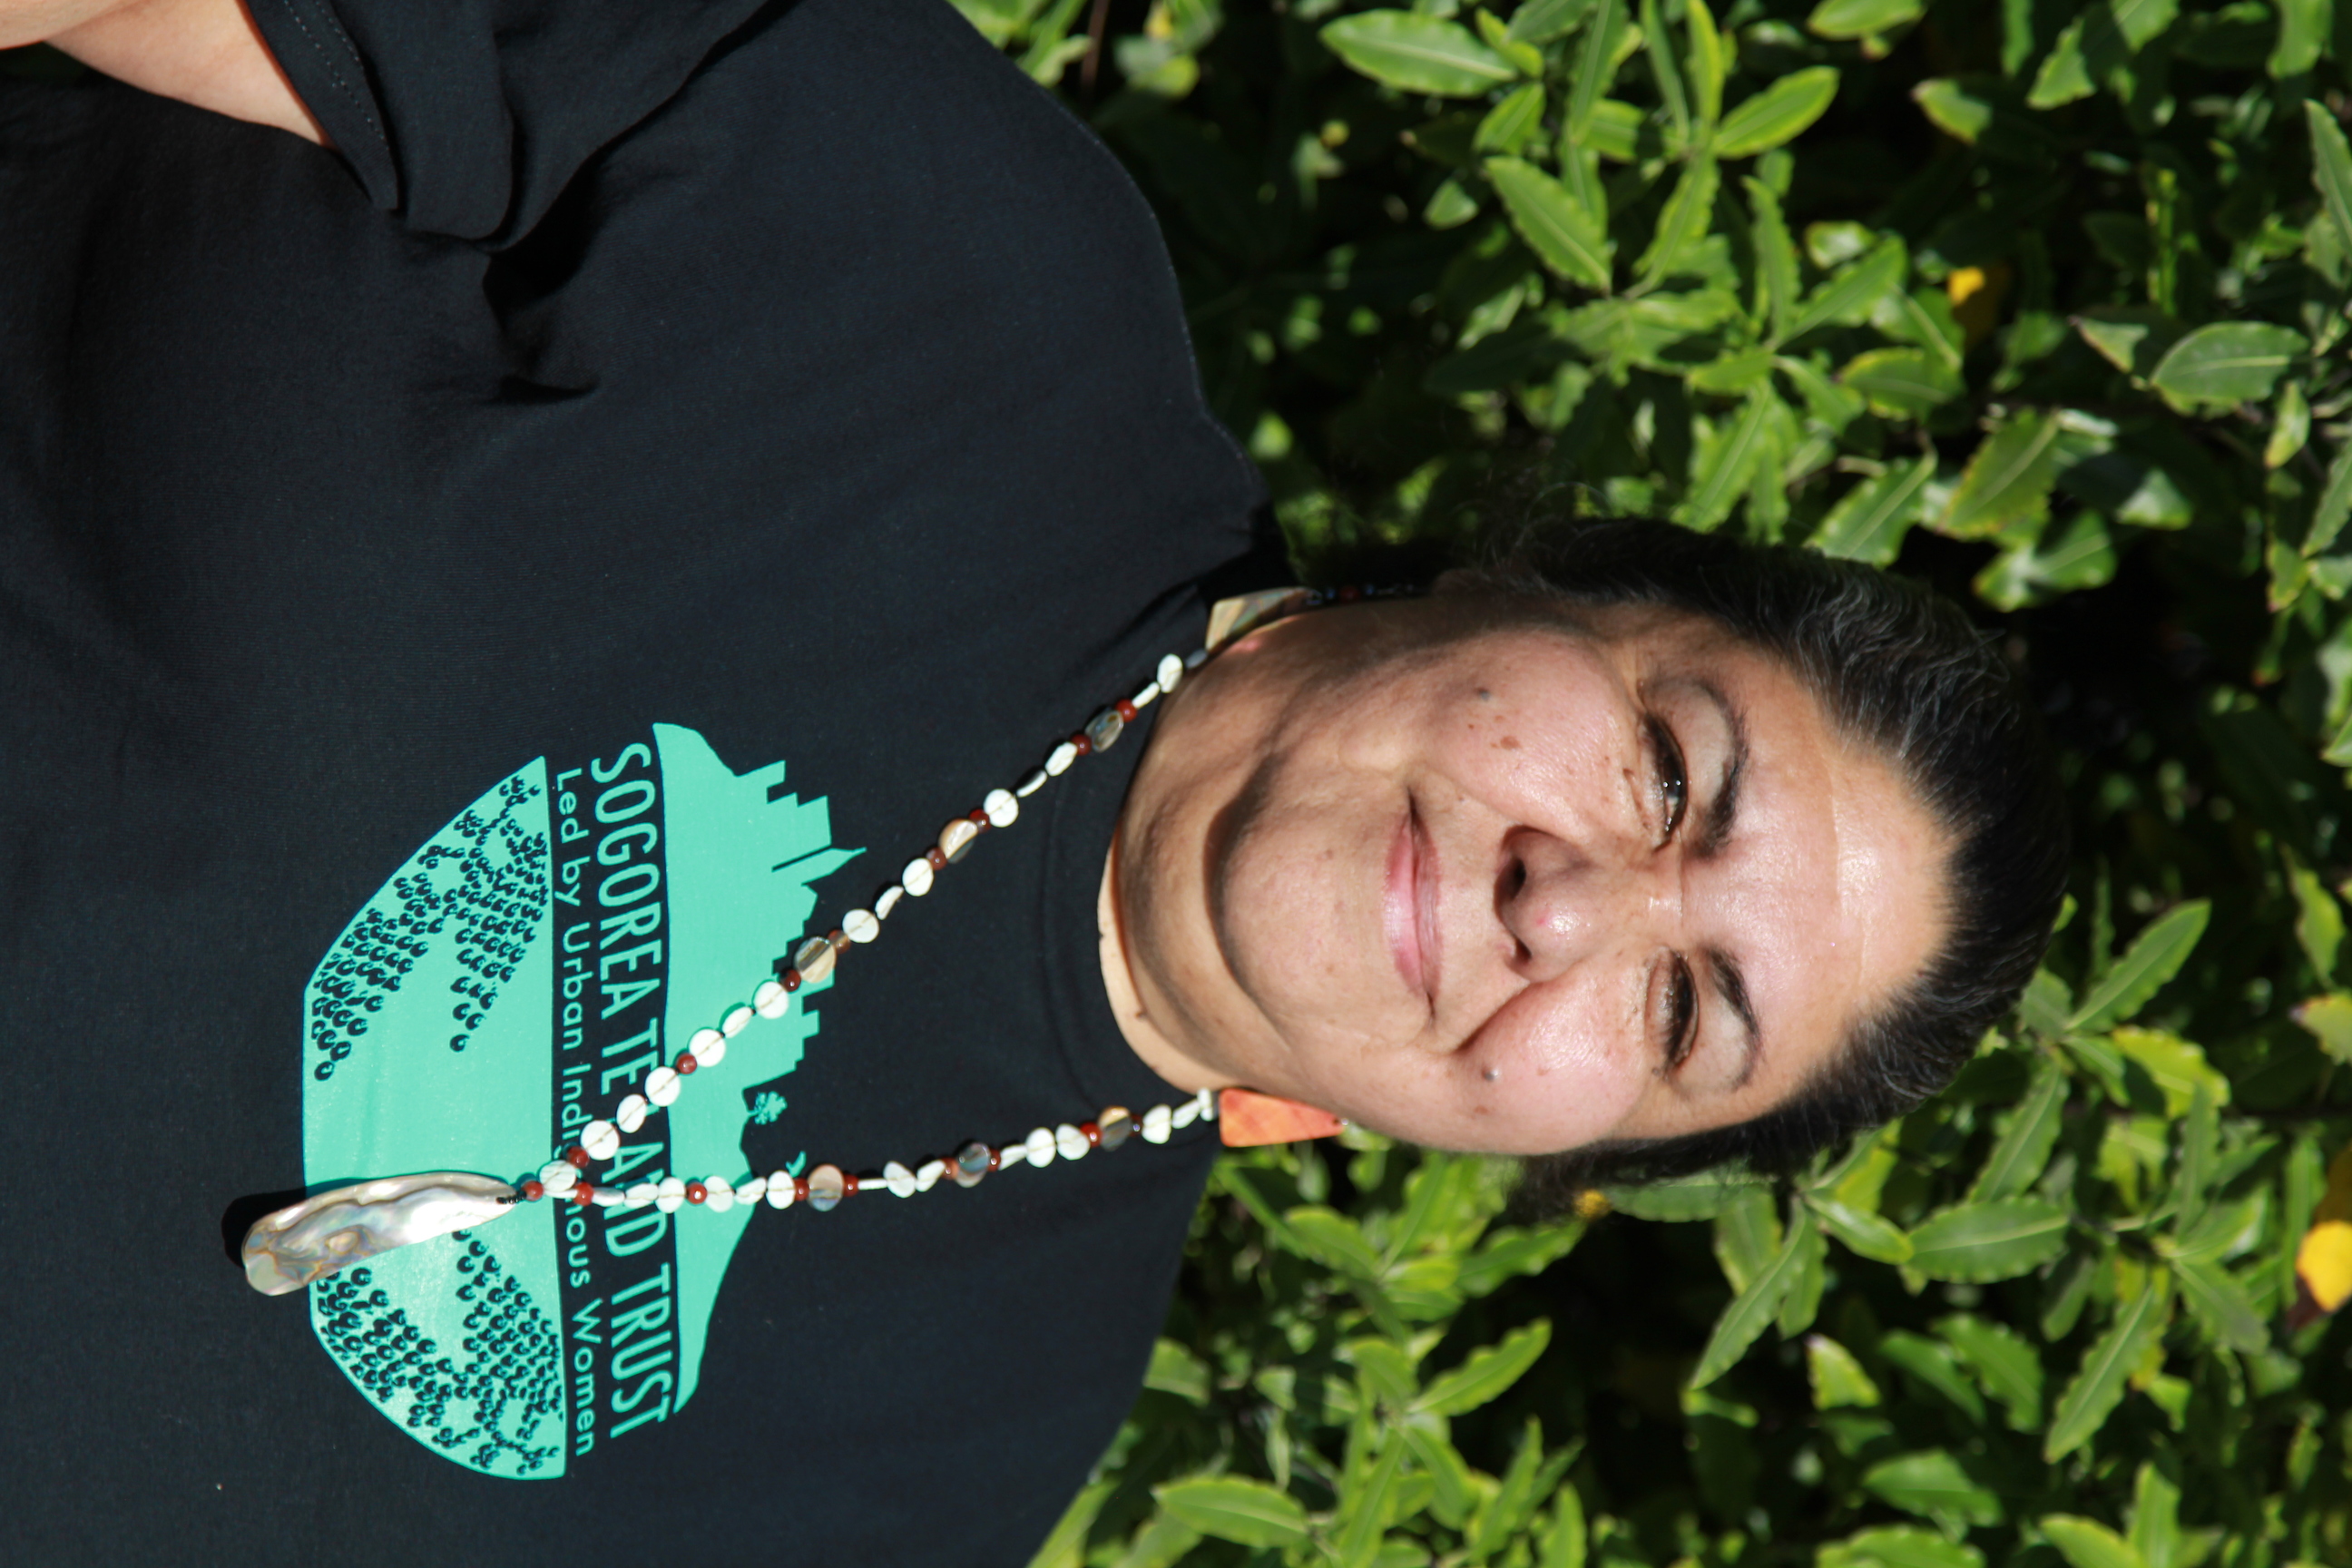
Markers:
1515,890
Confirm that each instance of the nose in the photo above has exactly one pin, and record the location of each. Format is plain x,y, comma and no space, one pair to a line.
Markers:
1564,902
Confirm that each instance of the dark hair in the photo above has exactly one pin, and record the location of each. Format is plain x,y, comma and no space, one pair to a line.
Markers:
1903,670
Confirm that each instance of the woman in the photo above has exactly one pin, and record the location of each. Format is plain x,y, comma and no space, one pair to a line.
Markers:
479,598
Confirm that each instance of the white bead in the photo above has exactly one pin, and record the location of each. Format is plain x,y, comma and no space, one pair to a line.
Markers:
1001,808
888,901
780,1189
898,1179
929,1175
1207,1101
737,1017
1147,697
642,1193
1196,659
814,959
1170,671
750,1189
670,1196
711,1055
1058,760
601,1138
1011,1155
702,1040
1041,1147
1155,1124
610,1198
956,837
916,877
1031,782
772,1000
558,1177
661,1085
1186,1114
632,1113
1069,1142
861,925
717,1193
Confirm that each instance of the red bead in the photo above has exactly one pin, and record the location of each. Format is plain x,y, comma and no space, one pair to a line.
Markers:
979,818
1124,710
583,1194
685,1063
1080,744
937,856
532,1192
1093,1133
578,1156
848,1186
996,1160
839,938
800,1189
791,980
695,1192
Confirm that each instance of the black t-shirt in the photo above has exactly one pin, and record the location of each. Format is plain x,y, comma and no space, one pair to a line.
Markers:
468,602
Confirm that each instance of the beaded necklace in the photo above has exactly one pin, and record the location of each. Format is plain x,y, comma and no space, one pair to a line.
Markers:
304,1242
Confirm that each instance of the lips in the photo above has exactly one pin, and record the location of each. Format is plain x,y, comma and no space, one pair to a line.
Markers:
1408,907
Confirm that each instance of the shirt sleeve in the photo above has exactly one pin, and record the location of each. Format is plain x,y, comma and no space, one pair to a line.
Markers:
467,118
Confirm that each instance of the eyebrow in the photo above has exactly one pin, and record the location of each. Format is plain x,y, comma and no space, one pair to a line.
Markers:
1722,814
1731,984
1723,810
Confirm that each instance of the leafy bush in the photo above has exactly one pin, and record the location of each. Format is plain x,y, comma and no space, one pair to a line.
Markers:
2041,301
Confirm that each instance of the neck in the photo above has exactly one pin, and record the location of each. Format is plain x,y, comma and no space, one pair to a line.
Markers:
1144,1036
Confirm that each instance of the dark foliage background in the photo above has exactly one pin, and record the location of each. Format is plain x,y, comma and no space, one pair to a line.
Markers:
2041,301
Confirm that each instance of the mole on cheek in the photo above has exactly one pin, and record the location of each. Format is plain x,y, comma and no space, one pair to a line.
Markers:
1508,744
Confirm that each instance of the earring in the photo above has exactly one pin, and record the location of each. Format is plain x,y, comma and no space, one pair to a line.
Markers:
1247,1118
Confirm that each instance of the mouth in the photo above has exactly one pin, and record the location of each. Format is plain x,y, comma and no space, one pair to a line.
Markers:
1408,909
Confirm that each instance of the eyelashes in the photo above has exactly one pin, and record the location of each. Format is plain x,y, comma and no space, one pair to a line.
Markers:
1673,777
1681,998
1682,1013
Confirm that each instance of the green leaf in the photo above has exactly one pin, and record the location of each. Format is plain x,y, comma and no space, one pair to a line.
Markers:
1721,473
1748,1314
1176,1370
1862,18
2008,476
2154,958
1777,114
1776,257
1363,1507
1846,299
1800,1303
2335,505
1869,521
2139,21
1511,1251
1334,1240
2221,1303
1247,1512
1594,67
1452,1498
1706,62
1563,1541
1867,1235
2156,1516
1837,1378
1507,1511
2133,338
1901,384
1682,220
2303,33
2331,168
2087,1543
2290,426
1541,21
2230,361
2028,1134
2178,1066
1934,1484
1955,111
1665,71
2329,1020
1416,54
1975,1243
1486,1373
1899,1547
1703,1197
1508,125
1567,238
2066,75
1934,1364
2097,1388
2004,1364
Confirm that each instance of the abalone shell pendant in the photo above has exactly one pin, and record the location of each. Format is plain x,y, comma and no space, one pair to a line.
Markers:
307,1241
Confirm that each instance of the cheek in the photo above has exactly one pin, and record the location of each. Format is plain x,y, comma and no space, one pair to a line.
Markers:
1569,1062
